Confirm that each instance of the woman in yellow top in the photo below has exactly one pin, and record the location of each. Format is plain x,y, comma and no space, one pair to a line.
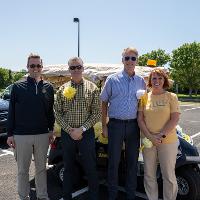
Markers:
157,117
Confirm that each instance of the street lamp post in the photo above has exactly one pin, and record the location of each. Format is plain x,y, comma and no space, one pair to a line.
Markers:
76,20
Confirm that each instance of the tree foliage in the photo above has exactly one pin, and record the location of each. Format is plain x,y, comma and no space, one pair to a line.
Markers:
4,77
185,66
159,55
18,75
7,77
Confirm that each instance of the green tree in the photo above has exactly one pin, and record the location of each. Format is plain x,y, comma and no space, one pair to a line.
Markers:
4,77
159,55
185,66
18,75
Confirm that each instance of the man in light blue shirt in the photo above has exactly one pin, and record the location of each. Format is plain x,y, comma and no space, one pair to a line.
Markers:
120,103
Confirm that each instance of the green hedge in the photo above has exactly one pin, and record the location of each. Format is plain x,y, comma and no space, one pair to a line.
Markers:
187,96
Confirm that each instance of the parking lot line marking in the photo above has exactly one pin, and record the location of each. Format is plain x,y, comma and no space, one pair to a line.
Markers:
192,121
6,152
187,105
191,109
81,191
195,135
78,192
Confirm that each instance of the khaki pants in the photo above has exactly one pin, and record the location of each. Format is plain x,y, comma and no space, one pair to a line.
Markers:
165,154
26,145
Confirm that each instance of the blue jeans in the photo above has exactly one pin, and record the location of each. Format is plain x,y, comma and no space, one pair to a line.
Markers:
119,131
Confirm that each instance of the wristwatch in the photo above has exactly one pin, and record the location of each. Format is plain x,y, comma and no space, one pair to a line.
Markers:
83,128
162,135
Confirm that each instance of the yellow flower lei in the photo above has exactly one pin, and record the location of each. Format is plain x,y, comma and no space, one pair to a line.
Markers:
69,92
102,139
144,99
146,143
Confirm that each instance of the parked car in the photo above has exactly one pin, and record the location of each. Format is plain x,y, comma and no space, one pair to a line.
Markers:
187,169
4,104
6,93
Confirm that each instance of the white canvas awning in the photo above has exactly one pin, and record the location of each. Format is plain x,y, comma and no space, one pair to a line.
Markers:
93,71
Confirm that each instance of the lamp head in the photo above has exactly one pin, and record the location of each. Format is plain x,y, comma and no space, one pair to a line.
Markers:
76,19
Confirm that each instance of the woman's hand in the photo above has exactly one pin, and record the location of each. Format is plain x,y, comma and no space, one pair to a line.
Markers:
155,139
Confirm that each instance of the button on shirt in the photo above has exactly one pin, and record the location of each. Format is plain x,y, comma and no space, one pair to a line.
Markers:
120,92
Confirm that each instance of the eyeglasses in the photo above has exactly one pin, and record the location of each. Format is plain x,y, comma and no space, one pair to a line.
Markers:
33,66
75,67
127,58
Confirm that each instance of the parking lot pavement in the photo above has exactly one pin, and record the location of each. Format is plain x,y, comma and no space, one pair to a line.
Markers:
189,121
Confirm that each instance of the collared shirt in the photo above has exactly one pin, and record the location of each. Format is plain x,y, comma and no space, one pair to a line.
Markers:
120,92
82,110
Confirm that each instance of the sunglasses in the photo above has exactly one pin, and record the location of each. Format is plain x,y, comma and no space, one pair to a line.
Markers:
75,67
159,78
33,66
127,58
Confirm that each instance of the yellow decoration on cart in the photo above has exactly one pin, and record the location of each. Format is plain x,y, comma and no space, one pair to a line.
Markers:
146,143
151,63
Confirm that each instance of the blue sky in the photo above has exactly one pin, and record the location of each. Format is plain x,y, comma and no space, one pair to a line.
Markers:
106,28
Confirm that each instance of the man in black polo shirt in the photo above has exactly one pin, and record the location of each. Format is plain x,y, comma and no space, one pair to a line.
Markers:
30,127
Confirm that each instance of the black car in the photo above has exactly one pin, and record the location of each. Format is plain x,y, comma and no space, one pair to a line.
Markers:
4,104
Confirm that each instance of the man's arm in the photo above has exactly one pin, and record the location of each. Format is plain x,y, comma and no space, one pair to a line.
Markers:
105,96
58,108
95,115
11,119
11,113
51,118
104,108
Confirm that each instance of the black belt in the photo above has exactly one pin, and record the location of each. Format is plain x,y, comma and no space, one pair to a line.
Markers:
122,121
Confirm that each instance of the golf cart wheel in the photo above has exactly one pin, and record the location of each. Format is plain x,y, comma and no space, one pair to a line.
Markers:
59,172
188,183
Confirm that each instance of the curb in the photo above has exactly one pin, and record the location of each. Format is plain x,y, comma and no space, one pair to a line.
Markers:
189,100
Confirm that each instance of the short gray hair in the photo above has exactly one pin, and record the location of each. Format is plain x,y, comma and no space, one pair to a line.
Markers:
75,59
130,49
